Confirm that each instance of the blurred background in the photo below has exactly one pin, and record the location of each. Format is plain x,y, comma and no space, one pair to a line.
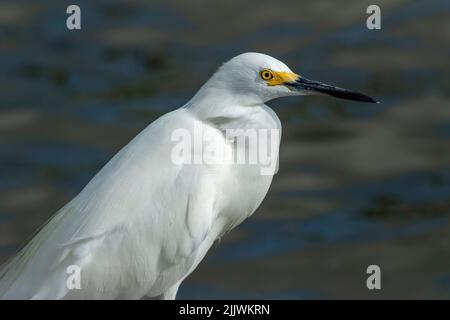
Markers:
358,184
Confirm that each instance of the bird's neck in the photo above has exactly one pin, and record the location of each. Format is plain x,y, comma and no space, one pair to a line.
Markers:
213,101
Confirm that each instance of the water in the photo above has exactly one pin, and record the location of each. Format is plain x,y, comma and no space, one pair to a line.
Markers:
358,184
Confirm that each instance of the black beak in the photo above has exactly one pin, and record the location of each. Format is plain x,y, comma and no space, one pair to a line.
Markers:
314,86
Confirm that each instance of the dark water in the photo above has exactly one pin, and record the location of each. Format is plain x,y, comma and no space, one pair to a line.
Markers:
358,184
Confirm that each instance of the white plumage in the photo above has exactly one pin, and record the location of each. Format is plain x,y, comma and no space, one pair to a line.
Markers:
144,223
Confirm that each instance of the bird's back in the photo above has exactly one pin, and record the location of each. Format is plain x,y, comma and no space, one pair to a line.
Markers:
133,230
145,221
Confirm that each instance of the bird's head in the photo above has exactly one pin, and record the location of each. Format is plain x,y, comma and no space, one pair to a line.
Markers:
257,77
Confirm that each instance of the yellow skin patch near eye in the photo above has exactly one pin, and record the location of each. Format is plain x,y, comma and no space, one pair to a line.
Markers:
278,78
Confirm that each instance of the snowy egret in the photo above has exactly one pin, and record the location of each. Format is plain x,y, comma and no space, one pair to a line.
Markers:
146,220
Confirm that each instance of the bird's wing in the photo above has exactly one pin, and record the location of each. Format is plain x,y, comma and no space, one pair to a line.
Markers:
134,229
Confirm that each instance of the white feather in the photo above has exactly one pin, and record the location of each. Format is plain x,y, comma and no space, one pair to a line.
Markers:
143,223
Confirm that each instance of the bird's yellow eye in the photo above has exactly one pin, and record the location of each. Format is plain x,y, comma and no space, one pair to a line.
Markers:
266,74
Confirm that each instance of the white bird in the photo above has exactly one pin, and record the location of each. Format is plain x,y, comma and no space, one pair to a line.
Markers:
148,218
